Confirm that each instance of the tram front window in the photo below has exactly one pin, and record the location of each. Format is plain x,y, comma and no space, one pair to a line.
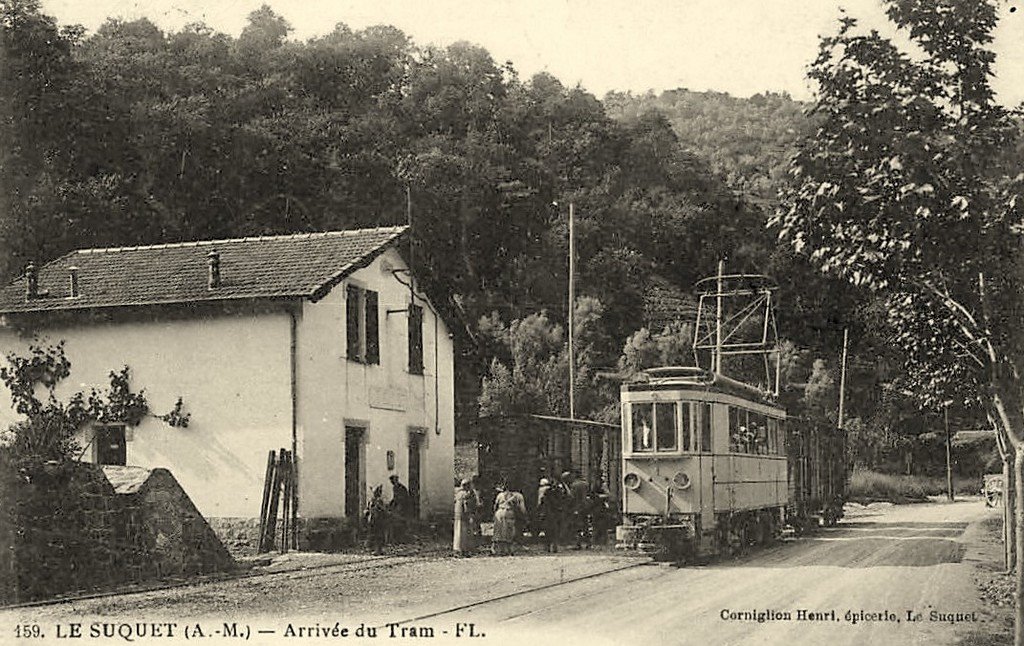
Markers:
642,427
666,426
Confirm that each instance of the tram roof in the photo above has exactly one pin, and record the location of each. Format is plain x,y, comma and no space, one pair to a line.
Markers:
693,377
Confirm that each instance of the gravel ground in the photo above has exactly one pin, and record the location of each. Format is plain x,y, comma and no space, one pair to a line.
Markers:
314,586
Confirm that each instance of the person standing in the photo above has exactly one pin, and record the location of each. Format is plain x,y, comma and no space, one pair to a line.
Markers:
478,499
568,515
400,508
465,508
509,506
549,514
376,517
579,491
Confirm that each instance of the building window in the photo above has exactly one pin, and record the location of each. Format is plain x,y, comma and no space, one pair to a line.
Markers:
110,445
415,339
361,325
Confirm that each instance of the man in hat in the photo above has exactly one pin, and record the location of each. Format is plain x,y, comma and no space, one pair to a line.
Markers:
401,508
550,507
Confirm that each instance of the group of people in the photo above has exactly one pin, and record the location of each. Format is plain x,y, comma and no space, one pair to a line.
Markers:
388,522
565,510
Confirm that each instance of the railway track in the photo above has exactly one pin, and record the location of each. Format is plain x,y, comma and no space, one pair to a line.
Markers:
519,593
368,563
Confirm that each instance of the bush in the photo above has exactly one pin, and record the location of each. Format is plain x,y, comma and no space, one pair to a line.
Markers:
871,486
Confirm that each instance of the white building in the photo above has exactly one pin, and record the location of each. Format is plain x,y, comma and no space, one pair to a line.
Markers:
314,342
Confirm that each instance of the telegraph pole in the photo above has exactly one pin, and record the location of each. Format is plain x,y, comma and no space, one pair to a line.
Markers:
949,451
842,377
572,307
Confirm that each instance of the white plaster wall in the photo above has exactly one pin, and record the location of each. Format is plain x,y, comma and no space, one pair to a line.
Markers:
384,398
233,374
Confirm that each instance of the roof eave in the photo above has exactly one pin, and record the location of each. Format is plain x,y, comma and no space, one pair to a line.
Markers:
364,261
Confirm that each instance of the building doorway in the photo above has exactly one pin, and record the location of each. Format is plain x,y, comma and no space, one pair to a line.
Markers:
354,471
415,453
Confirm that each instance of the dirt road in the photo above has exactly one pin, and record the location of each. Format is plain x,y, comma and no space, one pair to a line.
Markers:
894,575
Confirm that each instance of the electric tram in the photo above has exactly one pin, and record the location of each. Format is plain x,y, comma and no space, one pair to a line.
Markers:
712,465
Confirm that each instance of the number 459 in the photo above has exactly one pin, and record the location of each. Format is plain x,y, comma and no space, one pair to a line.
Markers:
28,630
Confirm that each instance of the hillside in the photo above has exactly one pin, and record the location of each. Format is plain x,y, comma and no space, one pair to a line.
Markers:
747,141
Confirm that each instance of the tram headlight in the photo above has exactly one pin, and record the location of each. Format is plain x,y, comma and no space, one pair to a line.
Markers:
681,481
631,481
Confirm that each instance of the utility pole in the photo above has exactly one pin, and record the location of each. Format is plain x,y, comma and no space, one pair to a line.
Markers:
949,451
842,377
572,308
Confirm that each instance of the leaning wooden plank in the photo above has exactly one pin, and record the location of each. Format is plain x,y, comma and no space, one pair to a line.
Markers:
275,497
266,499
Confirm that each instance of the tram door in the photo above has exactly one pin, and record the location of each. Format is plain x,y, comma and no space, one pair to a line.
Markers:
707,466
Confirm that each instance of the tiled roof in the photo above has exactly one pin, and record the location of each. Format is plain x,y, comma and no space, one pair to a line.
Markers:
264,267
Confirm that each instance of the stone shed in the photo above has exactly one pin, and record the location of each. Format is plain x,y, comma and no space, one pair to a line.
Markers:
163,522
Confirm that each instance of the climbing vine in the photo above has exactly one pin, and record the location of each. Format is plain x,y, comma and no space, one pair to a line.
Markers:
48,430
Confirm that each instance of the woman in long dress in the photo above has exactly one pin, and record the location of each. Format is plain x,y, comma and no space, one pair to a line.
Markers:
465,508
508,507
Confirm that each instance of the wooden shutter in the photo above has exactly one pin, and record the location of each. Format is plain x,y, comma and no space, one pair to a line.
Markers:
415,339
372,339
353,345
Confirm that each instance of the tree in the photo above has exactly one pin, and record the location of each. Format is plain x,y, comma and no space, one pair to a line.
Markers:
908,188
670,347
533,374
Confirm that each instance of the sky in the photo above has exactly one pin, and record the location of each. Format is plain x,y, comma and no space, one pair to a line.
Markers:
742,47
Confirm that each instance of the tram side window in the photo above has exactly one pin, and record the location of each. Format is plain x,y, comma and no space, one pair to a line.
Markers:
737,429
705,428
773,439
758,433
642,427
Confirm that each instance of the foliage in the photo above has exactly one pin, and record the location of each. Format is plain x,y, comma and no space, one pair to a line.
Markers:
870,486
910,188
821,391
49,425
151,137
133,135
746,141
670,347
904,189
533,377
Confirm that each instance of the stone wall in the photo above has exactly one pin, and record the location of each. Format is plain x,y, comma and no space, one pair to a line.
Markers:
70,527
241,536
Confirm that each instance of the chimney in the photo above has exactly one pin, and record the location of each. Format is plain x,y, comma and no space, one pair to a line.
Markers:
74,281
213,259
31,281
